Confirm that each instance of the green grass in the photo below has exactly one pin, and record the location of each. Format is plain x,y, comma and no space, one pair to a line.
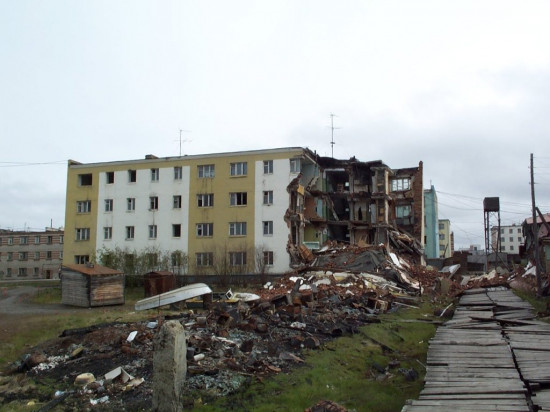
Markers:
539,303
343,371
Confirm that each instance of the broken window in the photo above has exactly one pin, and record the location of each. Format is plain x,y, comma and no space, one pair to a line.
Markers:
178,172
83,206
131,204
402,211
237,258
267,227
205,229
268,197
237,199
238,169
268,167
85,179
132,176
155,175
237,229
176,230
130,232
204,259
268,258
205,200
400,184
110,177
81,259
205,171
295,165
82,233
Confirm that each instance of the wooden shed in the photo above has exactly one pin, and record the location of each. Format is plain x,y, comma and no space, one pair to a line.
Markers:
91,285
158,282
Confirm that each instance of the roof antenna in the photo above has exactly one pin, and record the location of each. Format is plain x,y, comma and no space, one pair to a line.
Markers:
183,141
332,143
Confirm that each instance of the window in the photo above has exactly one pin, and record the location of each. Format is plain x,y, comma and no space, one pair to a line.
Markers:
36,271
110,177
36,255
153,203
441,248
60,255
501,231
441,226
237,258
442,236
108,205
10,256
8,272
132,176
130,233
61,238
205,171
81,259
152,259
268,258
519,230
154,175
178,173
37,240
520,239
503,240
268,167
131,204
268,197
49,240
510,230
178,258
107,232
295,166
511,239
176,230
511,247
237,229
177,201
23,255
237,199
400,184
268,227
22,271
49,255
403,211
205,200
205,259
10,240
205,229
24,240
85,179
83,206
152,231
82,233
238,169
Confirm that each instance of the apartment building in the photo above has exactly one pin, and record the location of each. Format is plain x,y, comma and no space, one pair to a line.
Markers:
446,238
237,212
431,220
31,254
511,238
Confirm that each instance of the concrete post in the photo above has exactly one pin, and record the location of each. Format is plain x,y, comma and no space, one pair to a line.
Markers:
169,367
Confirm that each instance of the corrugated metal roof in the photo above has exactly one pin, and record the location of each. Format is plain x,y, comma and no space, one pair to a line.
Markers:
93,270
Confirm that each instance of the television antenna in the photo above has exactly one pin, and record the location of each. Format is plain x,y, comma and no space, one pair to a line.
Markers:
332,142
184,140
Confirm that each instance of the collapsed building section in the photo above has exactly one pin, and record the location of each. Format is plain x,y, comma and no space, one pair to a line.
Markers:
351,202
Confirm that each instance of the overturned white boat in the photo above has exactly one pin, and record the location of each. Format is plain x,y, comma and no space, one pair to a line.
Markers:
173,296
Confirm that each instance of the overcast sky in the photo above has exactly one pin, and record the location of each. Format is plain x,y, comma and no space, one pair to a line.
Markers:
463,86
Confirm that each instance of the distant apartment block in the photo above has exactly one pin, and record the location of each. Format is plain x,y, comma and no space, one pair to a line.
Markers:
431,237
238,212
446,238
511,239
31,254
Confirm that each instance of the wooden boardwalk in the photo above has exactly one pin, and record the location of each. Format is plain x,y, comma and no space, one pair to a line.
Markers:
491,356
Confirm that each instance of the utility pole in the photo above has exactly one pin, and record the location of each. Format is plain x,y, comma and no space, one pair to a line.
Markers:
535,230
332,143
